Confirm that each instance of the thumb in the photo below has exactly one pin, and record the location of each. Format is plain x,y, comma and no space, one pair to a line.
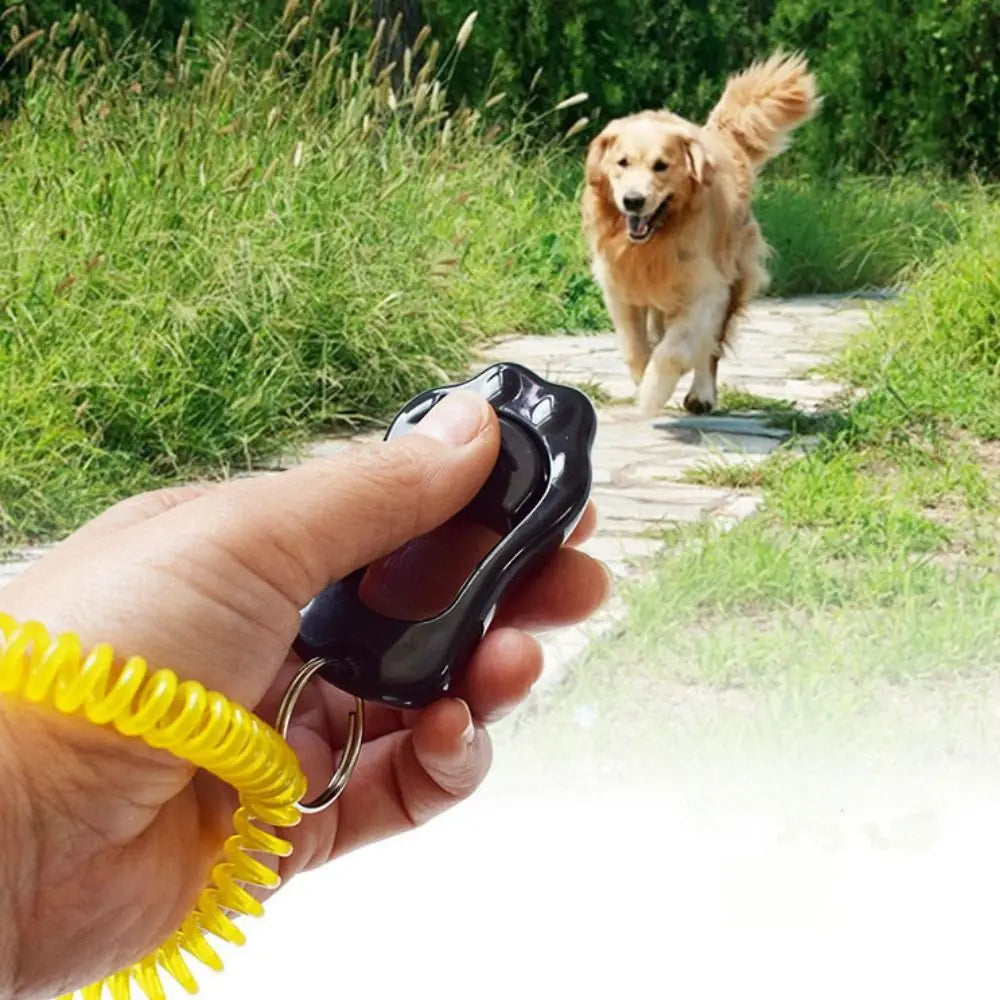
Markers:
302,529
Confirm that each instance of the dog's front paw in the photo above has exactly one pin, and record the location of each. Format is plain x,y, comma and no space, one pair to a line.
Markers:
697,405
652,396
637,369
702,396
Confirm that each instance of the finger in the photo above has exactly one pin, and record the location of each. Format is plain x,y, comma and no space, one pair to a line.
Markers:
501,674
584,531
568,589
303,528
135,509
402,780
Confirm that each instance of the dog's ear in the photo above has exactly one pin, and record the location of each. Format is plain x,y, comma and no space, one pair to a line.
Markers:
700,163
597,150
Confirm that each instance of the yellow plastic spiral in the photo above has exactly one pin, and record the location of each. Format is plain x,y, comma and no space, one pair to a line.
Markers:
199,726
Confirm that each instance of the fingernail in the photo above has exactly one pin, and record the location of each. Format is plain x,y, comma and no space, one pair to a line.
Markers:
456,420
609,582
469,733
501,712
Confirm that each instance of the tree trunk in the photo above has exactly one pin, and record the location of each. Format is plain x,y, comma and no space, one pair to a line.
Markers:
411,18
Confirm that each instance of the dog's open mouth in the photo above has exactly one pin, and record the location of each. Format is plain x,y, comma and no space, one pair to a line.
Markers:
641,227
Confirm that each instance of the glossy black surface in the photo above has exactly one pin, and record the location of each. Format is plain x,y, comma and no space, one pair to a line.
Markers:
534,497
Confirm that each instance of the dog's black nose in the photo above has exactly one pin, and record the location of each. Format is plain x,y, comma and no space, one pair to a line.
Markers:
634,202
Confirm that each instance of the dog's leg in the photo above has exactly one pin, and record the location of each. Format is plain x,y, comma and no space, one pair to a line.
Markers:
663,372
703,394
688,342
630,327
701,397
656,326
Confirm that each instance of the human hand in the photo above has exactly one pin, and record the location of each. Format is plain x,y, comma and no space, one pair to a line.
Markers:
108,842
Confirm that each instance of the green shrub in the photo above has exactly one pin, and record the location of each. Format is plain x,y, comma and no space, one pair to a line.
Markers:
621,53
907,84
157,21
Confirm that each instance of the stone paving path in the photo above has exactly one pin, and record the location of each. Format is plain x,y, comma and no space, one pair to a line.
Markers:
640,465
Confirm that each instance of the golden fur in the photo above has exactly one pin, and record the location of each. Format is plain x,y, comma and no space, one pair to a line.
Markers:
667,216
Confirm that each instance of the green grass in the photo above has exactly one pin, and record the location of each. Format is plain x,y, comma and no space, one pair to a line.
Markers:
780,413
868,562
934,360
768,640
204,263
597,394
854,667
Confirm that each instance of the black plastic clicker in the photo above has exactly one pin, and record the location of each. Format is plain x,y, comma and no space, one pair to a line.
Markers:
534,498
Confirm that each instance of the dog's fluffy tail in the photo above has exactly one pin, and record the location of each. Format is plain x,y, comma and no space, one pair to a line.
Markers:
762,105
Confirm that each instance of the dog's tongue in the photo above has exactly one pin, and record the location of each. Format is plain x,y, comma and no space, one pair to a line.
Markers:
638,225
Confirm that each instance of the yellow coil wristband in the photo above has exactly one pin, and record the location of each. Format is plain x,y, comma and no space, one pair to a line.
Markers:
201,727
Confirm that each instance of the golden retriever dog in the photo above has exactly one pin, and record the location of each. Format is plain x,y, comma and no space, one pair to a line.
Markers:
672,239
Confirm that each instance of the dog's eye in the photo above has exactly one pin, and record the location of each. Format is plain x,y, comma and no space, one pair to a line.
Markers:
659,166
623,162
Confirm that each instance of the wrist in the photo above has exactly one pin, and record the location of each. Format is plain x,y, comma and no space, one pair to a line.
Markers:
17,875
